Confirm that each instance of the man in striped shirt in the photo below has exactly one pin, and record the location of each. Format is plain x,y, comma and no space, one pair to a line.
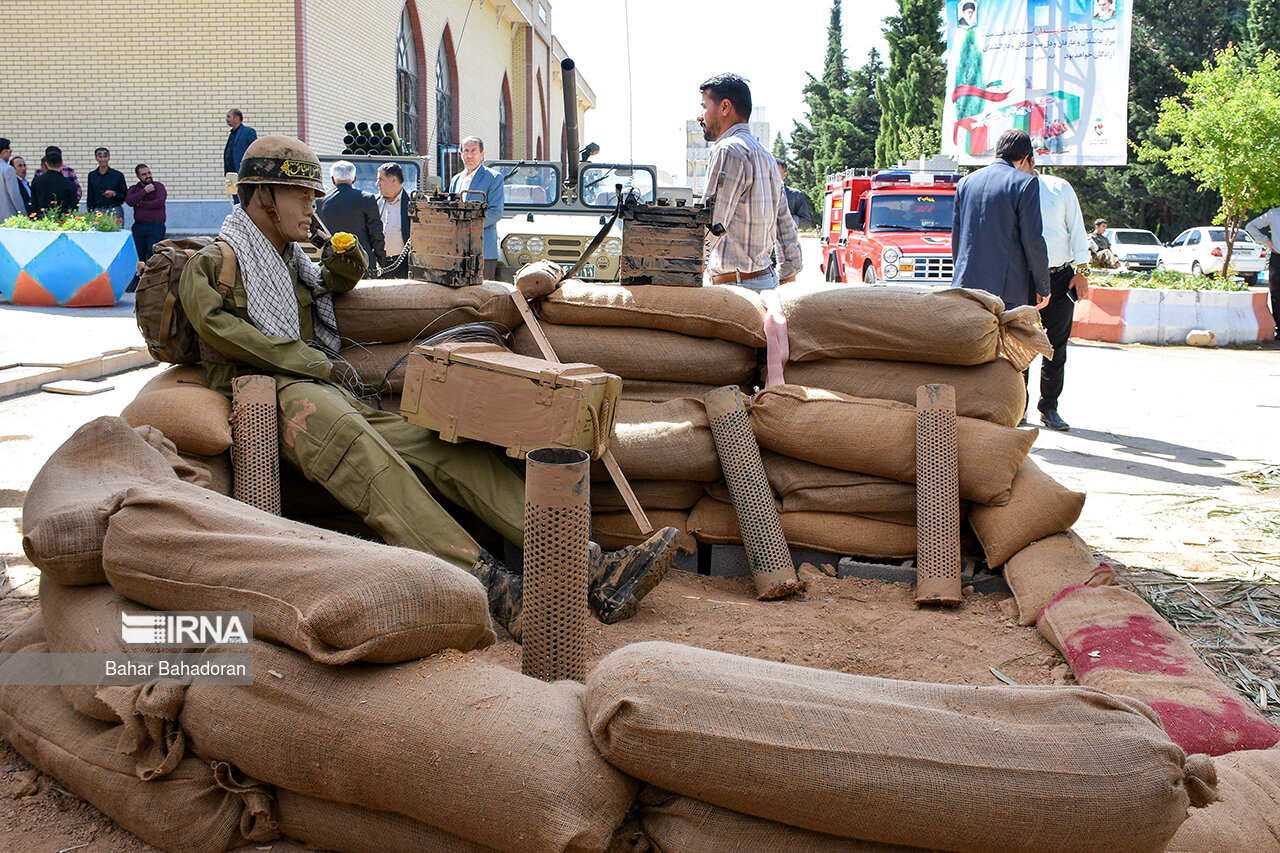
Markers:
750,203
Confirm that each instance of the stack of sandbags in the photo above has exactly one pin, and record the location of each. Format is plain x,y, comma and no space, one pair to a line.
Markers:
194,807
1038,506
1059,768
666,452
1114,640
179,403
381,321
710,338
478,751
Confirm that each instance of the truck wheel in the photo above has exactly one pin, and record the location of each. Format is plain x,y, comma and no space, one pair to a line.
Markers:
1251,278
833,270
869,274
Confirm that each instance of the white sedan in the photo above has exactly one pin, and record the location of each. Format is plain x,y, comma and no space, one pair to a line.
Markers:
1202,251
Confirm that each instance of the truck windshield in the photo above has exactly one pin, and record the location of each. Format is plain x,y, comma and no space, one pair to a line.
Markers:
911,212
534,185
599,184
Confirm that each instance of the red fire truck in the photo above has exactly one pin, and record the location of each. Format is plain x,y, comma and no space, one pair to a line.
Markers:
891,226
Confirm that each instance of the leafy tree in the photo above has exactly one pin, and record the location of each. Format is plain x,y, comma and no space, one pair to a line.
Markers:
1225,133
910,93
842,117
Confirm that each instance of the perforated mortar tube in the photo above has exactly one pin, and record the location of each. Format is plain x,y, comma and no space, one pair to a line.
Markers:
767,553
937,497
557,524
255,448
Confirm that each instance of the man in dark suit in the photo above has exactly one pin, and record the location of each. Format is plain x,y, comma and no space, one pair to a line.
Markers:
51,190
997,235
349,209
393,206
238,142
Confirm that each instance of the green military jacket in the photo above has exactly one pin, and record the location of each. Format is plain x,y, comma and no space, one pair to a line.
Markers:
224,324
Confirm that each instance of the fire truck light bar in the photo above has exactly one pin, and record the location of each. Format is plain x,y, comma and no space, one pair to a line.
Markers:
915,179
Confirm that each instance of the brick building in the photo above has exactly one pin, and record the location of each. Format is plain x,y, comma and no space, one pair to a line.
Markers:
153,81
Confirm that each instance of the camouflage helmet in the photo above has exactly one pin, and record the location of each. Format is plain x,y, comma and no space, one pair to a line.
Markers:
283,161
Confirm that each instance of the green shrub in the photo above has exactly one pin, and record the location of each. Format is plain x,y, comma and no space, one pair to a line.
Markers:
57,221
1166,280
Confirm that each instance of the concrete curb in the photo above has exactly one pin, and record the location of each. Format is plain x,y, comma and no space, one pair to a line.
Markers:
1136,315
21,377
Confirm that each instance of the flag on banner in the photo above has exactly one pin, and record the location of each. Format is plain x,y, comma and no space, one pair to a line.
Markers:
1058,69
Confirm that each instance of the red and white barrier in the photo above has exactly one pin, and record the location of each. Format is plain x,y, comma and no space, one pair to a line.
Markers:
1137,315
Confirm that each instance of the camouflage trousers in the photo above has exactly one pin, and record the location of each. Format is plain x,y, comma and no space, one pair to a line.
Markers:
376,464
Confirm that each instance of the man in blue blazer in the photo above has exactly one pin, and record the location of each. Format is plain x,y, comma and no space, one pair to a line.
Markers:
238,141
475,177
997,235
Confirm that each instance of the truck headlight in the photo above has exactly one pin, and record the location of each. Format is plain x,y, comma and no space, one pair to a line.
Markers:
514,245
535,245
613,247
890,270
890,256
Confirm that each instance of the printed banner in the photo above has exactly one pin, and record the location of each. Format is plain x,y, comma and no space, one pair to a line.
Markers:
1058,69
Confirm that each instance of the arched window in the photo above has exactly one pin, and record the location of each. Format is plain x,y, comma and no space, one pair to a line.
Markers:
503,152
444,94
407,83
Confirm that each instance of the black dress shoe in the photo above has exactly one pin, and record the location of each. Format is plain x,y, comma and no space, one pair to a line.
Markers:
1053,420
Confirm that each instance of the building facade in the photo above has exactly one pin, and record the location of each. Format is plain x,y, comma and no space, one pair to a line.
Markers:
153,81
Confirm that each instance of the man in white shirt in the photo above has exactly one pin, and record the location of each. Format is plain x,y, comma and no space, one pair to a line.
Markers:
1068,247
393,206
751,203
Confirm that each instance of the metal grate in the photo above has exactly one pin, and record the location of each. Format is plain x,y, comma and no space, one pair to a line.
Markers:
930,266
753,503
255,448
557,524
937,496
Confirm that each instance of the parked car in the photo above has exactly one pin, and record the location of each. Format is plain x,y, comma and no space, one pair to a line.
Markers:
1134,248
1203,250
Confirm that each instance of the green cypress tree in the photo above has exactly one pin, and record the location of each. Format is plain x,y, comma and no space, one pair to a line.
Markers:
1263,27
911,94
969,73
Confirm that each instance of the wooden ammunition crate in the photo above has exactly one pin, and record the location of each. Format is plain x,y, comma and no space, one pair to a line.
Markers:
483,392
447,239
662,243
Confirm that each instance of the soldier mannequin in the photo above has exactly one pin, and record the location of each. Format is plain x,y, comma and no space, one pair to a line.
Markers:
281,323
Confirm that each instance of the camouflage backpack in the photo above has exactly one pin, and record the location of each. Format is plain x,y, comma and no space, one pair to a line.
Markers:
164,326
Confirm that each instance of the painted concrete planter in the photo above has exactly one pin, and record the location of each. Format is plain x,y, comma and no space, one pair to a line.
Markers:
77,269
1140,315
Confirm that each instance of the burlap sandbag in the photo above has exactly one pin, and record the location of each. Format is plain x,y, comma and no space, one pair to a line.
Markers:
648,391
614,530
1115,641
663,441
903,323
475,749
63,520
379,312
373,368
725,312
991,392
336,598
649,354
804,486
27,632
1038,506
210,472
1248,815
196,472
672,823
652,494
715,522
1046,567
879,437
1058,768
196,808
326,825
181,405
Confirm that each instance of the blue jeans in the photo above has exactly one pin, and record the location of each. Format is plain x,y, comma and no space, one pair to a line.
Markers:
146,235
764,282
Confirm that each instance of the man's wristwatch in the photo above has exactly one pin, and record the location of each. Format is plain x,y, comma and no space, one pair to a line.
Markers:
1083,270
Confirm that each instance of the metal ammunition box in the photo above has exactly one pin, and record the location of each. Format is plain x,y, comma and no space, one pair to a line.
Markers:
483,392
447,239
662,243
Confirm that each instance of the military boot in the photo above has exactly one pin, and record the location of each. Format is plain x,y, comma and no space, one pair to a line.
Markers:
619,579
506,592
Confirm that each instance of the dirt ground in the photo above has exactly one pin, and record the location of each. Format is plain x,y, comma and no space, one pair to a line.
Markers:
851,625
